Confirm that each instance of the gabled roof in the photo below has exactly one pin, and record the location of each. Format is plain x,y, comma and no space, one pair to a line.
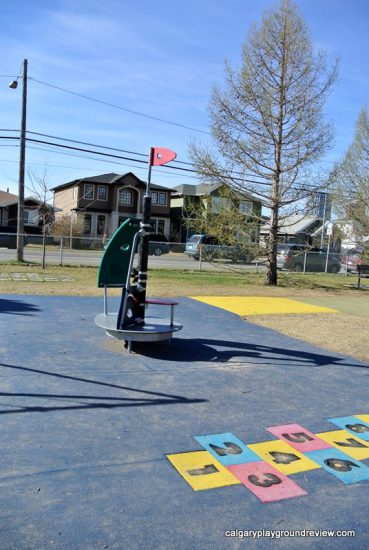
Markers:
107,179
203,189
296,223
7,198
196,190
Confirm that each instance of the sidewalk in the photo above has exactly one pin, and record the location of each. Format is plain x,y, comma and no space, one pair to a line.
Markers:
86,429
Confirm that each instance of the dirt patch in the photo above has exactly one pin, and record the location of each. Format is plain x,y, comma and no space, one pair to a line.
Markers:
341,332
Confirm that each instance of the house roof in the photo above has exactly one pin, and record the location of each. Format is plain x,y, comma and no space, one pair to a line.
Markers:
7,198
196,190
107,179
205,189
296,223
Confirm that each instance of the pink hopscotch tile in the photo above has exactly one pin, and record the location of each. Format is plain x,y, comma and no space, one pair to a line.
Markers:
265,482
299,438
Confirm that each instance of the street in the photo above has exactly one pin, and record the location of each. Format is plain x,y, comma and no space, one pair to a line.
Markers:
173,260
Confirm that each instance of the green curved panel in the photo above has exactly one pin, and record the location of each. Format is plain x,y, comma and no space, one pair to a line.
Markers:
114,264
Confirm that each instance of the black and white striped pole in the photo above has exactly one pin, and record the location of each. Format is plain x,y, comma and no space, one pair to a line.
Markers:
135,298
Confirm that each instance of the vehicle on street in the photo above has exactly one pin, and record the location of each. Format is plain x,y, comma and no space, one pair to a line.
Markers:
351,259
210,249
295,257
158,245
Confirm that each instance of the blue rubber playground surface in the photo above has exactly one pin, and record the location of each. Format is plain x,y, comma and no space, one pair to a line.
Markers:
92,438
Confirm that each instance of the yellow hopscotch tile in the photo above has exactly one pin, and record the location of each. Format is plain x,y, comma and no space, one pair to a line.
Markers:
347,443
201,470
283,457
259,305
363,417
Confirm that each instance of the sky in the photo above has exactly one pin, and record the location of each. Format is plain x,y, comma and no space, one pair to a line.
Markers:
160,59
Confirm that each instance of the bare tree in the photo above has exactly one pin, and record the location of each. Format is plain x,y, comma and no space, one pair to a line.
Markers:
351,183
267,122
39,187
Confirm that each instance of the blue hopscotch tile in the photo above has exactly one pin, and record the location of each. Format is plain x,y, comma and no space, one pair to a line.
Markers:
227,448
353,425
340,465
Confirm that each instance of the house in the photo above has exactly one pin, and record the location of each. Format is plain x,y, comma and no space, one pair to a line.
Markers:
32,213
296,228
105,201
213,196
351,237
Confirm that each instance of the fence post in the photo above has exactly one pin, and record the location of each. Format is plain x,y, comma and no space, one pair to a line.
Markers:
328,250
304,270
200,258
61,251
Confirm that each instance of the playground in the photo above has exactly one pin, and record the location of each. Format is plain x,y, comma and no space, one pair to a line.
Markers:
93,438
192,429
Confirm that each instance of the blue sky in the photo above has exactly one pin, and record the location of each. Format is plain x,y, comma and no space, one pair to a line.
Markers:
159,58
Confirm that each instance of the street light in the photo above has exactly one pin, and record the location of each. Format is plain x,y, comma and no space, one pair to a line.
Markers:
22,161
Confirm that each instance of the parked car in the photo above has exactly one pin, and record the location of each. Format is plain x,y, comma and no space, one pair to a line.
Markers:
158,244
8,239
352,258
211,249
292,257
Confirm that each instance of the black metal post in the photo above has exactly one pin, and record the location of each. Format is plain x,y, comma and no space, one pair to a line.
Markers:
134,313
22,163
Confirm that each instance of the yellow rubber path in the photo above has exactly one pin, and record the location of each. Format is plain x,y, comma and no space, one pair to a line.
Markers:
260,305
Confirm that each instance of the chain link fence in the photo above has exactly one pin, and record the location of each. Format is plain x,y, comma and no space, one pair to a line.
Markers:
66,250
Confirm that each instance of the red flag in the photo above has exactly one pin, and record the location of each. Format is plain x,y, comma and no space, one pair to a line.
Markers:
160,156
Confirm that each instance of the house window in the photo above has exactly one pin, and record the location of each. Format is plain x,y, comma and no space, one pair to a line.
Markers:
88,191
87,224
125,197
100,228
162,199
102,193
220,203
246,207
157,226
159,198
30,217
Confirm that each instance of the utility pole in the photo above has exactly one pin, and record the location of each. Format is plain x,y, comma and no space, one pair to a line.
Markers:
22,161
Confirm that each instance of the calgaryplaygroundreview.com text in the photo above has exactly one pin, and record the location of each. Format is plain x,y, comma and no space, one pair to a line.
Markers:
278,534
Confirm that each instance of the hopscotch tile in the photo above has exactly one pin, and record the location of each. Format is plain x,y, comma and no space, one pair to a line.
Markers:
201,470
363,417
267,483
342,466
227,448
282,457
298,437
347,443
353,425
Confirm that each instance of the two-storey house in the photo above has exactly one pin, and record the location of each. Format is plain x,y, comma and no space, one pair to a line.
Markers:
212,197
105,201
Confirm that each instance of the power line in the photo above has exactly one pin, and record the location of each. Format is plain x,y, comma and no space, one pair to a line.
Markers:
143,155
119,107
99,146
170,167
